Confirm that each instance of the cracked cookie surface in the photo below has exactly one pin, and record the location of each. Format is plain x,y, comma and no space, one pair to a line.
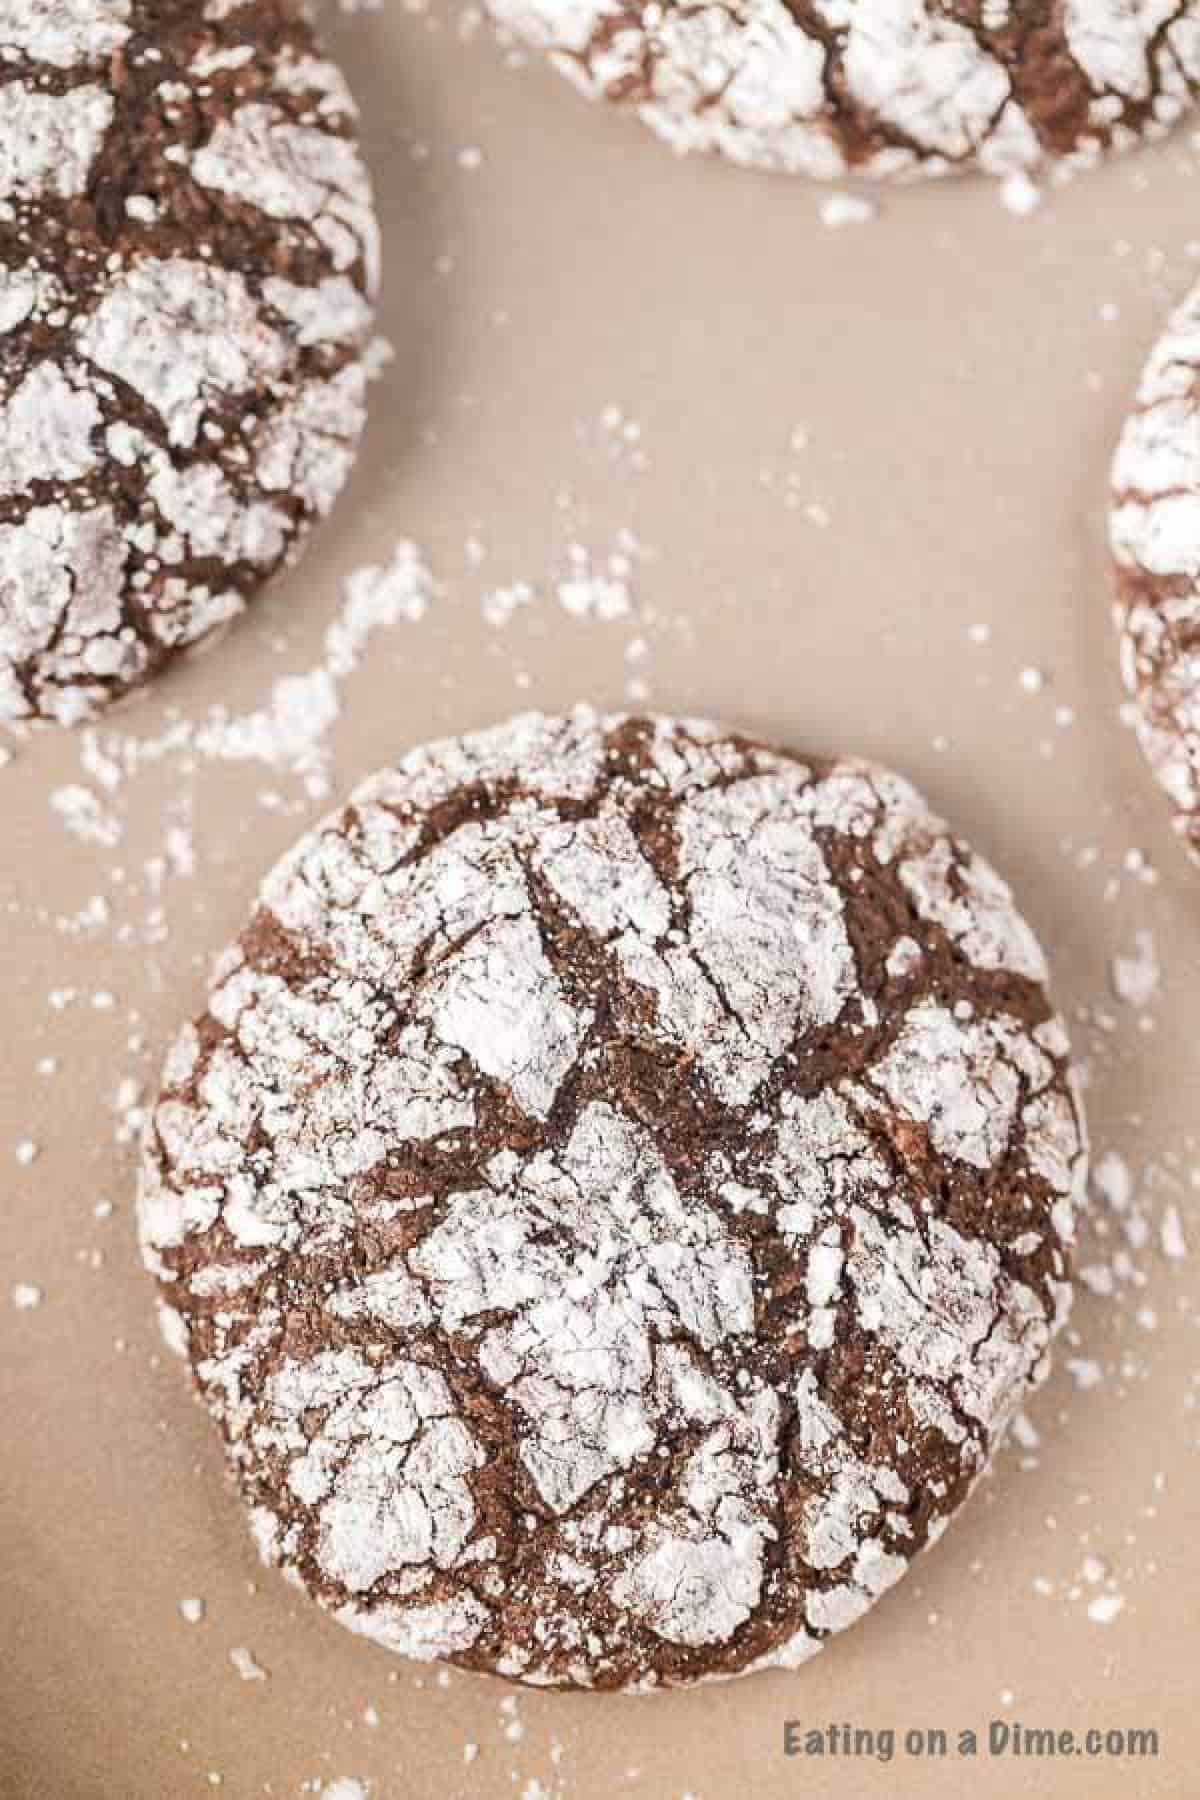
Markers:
188,254
616,1197
879,87
1154,529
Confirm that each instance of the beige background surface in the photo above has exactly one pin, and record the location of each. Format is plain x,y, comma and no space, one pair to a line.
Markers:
960,374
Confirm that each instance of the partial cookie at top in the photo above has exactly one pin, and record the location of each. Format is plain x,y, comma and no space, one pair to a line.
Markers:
616,1197
879,87
188,255
1154,529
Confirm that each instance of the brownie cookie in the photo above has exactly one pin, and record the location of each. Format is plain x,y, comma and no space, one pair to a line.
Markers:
1155,534
616,1198
188,252
879,87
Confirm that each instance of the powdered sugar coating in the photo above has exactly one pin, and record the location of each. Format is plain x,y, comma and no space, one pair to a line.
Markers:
1154,529
878,87
50,142
608,1261
188,255
64,33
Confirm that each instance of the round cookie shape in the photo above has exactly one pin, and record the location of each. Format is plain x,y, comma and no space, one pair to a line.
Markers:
188,255
616,1197
1154,529
886,88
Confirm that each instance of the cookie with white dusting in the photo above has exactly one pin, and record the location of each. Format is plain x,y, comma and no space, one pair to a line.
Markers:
1155,534
616,1197
879,87
188,254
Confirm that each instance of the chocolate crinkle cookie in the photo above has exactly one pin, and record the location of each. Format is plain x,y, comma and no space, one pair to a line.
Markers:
879,87
188,251
616,1198
1155,534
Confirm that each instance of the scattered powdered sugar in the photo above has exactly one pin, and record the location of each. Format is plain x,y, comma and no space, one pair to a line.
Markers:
623,438
1113,1180
846,209
1105,1608
499,604
244,1662
1136,977
26,1296
85,816
593,587
290,734
1124,1233
599,588
588,594
1171,1235
1019,194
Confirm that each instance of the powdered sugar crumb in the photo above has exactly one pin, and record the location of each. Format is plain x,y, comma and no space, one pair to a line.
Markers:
1105,1608
246,1665
846,209
1171,1235
1136,975
1020,194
